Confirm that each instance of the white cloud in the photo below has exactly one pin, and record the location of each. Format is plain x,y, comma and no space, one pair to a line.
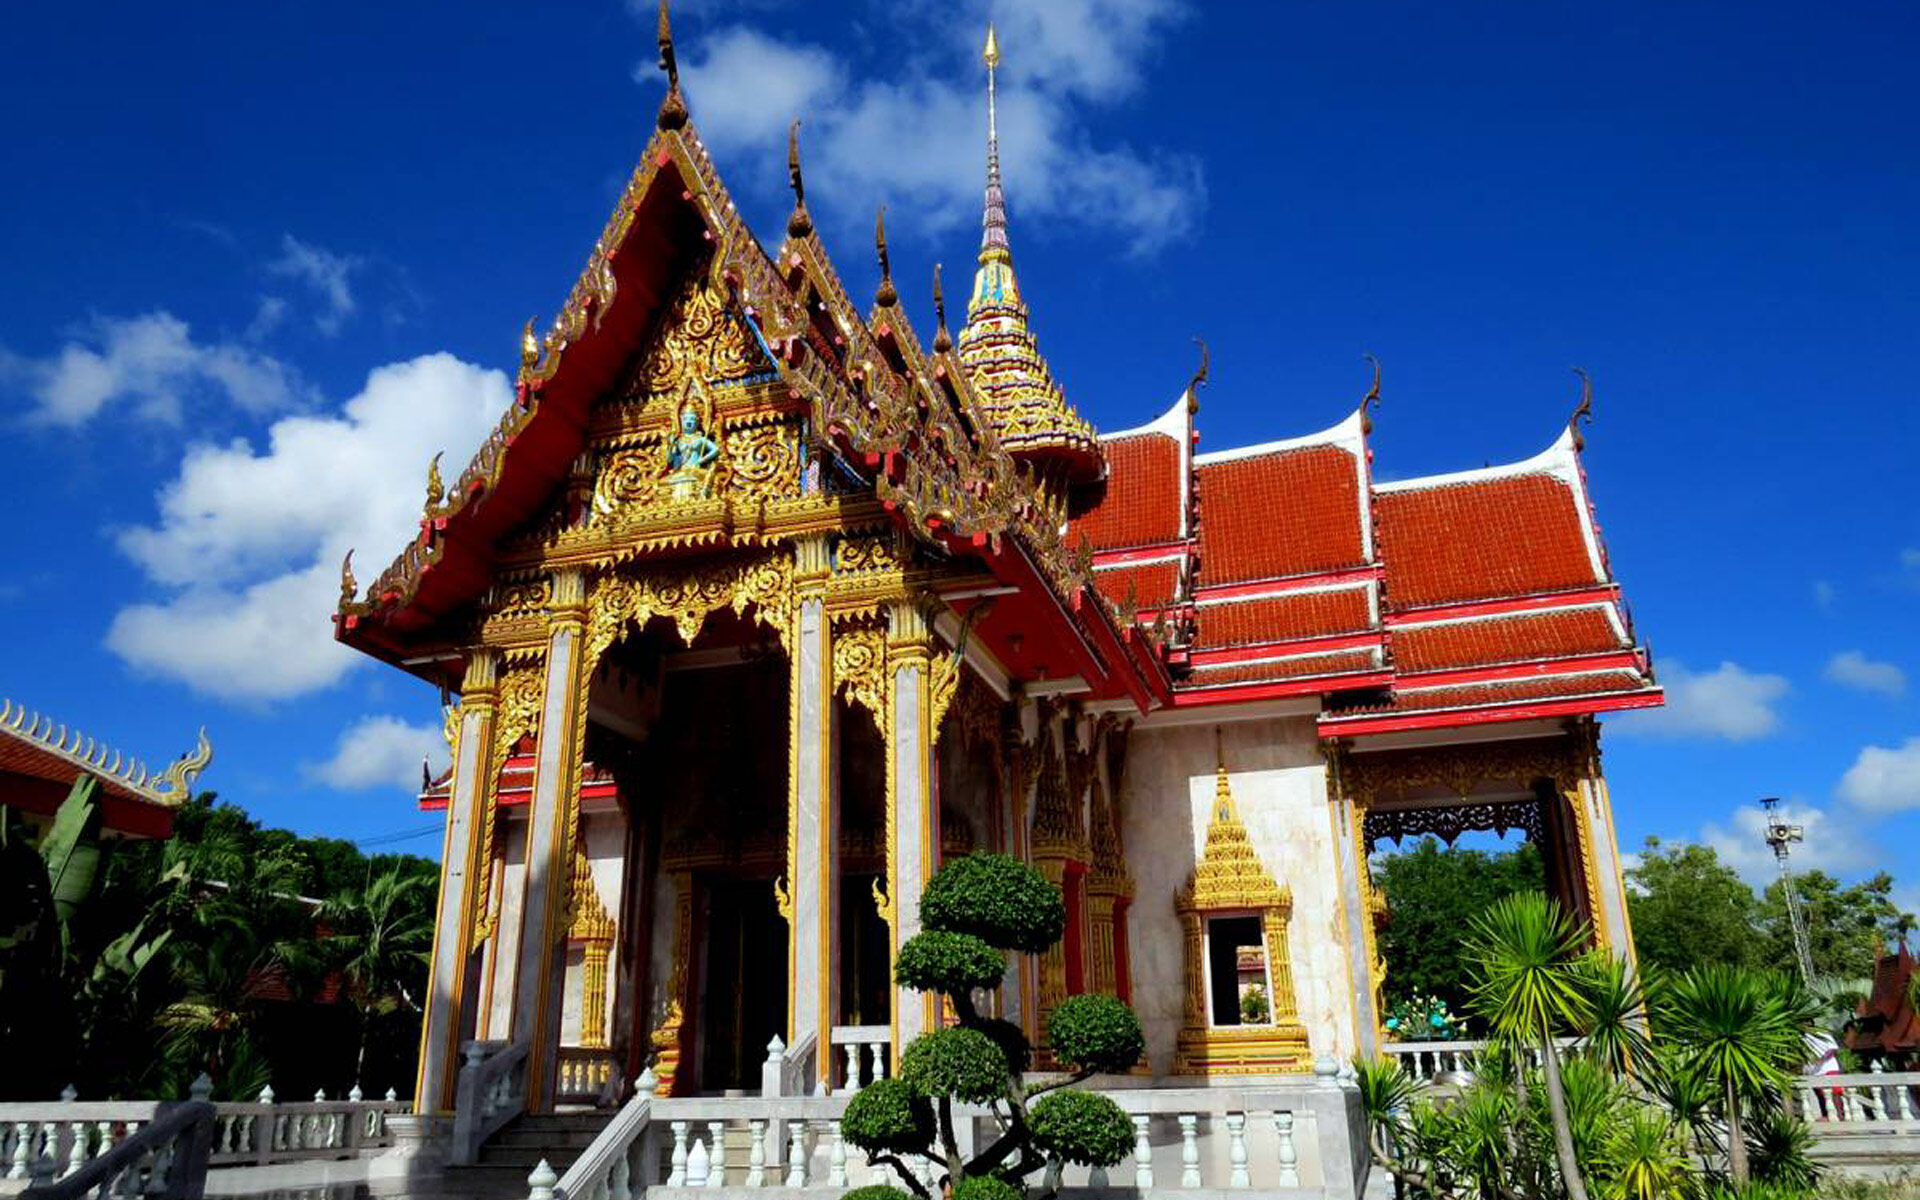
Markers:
915,140
382,752
325,272
1741,842
1884,780
1728,702
152,363
1850,668
1824,594
248,543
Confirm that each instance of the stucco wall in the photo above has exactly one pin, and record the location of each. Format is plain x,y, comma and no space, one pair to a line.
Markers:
1279,785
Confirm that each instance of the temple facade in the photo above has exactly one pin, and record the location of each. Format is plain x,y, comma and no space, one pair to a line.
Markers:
757,605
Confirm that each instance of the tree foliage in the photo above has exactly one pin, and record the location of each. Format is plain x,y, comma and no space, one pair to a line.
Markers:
1433,893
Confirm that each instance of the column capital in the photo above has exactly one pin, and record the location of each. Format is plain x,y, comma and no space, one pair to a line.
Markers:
481,682
909,632
569,603
812,558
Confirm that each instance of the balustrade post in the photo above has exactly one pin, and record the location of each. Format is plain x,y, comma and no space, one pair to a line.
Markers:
541,1182
678,1176
757,1153
22,1150
619,1177
699,1164
1189,1150
877,1055
773,1139
836,1156
853,1066
1097,1178
1289,1157
797,1154
717,1134
1237,1174
1142,1152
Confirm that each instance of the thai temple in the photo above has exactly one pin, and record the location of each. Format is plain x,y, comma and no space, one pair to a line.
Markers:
762,601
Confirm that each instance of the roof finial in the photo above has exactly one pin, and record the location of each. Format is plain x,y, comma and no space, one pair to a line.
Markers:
942,340
800,224
673,110
994,234
349,586
436,490
1372,398
1199,377
884,295
1223,809
1582,413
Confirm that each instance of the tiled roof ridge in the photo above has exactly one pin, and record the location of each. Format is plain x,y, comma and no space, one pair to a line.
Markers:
170,786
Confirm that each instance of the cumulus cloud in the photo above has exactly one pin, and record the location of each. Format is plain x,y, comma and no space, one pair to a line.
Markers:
1850,668
246,551
1728,702
382,752
1884,780
327,273
153,365
1741,842
914,138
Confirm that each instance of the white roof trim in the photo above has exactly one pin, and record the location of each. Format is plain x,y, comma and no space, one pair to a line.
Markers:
1556,460
1175,423
1372,652
1203,600
1607,607
1171,423
1348,435
1174,555
1441,687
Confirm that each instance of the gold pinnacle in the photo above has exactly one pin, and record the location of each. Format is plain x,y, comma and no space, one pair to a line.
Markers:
992,54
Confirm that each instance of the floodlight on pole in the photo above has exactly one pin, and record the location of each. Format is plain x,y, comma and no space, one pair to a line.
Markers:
1780,835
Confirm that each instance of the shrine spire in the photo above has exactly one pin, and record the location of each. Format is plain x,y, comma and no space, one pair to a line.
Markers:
993,234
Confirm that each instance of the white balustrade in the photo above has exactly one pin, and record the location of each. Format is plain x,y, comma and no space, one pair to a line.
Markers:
717,1137
1885,1100
861,1056
1287,1156
1189,1150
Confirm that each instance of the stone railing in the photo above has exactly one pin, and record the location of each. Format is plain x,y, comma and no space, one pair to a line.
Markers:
586,1076
491,1090
1860,1103
1287,1139
856,1047
1427,1061
62,1137
156,1151
789,1070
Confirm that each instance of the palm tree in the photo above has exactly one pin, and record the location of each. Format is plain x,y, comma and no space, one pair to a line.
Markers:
1736,1029
379,938
1616,1031
1527,984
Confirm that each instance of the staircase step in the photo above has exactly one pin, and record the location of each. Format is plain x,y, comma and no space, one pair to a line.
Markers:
528,1157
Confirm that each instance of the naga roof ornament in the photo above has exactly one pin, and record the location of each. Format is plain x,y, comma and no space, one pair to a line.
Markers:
1018,393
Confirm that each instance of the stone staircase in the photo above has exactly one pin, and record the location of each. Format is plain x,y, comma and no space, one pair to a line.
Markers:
510,1155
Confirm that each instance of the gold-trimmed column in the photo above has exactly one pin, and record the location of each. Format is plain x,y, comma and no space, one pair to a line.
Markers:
552,820
811,902
1600,846
461,873
913,816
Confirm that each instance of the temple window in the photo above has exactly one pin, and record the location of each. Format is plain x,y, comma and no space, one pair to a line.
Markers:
1237,983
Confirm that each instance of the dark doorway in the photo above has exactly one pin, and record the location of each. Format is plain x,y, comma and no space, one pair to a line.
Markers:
1233,943
866,997
743,993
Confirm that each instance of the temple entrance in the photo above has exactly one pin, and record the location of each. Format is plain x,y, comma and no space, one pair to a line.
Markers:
866,991
743,982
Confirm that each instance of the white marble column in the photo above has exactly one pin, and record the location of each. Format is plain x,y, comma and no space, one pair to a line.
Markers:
916,817
538,985
1611,920
460,874
813,815
1351,855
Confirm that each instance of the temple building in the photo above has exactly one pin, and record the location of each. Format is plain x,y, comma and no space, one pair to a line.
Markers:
760,602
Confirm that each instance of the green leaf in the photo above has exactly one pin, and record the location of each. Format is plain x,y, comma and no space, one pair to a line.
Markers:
72,850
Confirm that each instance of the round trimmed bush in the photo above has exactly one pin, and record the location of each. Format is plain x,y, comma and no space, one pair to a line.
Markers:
1012,1041
1095,1032
1081,1127
962,1063
877,1191
888,1117
996,898
936,961
985,1187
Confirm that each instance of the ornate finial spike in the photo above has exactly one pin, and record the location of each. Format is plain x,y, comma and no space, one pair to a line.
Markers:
436,489
942,340
1199,377
349,586
885,295
991,56
793,164
673,110
529,347
1372,398
1584,413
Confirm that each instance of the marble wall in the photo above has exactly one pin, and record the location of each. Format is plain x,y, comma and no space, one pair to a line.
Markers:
1278,780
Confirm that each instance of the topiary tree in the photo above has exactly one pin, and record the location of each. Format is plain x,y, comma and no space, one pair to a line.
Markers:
974,911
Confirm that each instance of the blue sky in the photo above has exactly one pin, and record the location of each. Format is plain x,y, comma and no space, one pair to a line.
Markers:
262,260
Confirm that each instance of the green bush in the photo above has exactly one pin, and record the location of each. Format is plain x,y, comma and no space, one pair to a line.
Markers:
877,1191
1081,1127
985,1187
998,899
1095,1032
936,961
888,1117
963,1063
1780,1149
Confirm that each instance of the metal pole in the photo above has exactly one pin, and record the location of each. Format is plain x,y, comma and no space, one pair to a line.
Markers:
1780,835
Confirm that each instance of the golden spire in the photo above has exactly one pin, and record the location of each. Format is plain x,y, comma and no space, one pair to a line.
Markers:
1223,809
673,110
800,224
885,295
942,340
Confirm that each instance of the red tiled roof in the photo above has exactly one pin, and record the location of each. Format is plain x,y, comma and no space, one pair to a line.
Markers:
1291,512
1552,634
1140,503
1551,687
1281,618
1886,1020
1155,584
1513,536
1340,661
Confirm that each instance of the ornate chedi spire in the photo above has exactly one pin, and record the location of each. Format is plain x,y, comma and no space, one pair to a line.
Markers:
1022,401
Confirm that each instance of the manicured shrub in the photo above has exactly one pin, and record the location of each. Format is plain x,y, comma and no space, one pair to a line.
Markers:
996,898
1081,1127
877,1191
1095,1032
962,1063
936,961
888,1117
985,1187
